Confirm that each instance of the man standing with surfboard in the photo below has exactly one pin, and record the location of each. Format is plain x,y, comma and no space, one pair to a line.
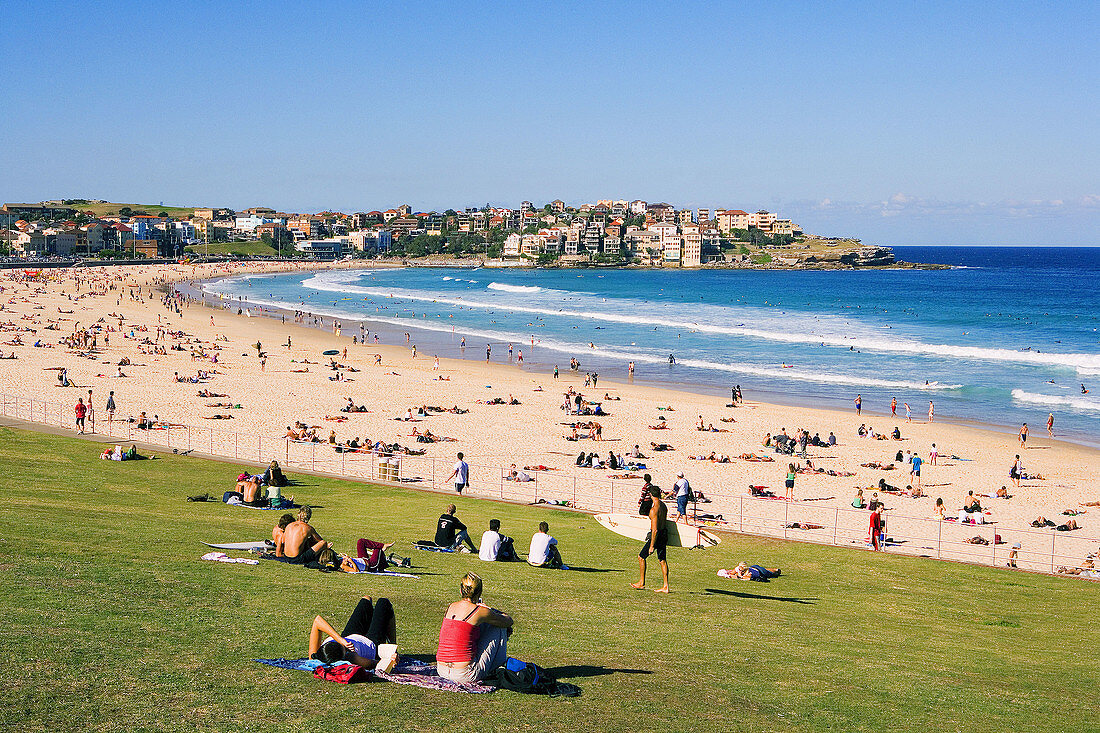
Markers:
656,541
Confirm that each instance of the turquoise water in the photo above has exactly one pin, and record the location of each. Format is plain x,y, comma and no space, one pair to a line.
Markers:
1006,335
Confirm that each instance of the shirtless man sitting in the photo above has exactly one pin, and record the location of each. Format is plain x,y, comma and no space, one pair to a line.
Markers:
300,543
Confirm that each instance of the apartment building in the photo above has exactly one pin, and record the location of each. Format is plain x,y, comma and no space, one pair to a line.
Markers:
730,219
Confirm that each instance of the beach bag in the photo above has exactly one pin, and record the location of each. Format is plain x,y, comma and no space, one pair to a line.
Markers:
343,674
526,677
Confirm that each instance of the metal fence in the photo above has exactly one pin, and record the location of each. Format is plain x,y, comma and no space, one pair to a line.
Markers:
584,489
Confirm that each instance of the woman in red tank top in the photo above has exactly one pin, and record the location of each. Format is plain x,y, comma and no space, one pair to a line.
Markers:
473,637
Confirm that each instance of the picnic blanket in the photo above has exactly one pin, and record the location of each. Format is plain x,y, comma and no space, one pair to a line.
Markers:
287,504
408,671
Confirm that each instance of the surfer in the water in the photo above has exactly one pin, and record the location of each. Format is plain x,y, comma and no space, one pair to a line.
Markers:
656,541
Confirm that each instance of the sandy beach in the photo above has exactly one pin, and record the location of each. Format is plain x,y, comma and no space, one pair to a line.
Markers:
124,310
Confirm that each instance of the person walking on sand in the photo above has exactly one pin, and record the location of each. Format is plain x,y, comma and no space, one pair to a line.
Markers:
894,406
789,483
656,541
931,411
1023,436
1050,424
914,472
461,474
859,404
908,413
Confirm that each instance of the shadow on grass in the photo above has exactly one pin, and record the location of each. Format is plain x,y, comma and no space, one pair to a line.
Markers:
570,671
738,594
576,569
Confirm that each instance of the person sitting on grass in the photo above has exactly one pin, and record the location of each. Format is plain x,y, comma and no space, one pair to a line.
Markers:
300,543
450,533
543,552
368,626
496,547
278,529
473,639
273,476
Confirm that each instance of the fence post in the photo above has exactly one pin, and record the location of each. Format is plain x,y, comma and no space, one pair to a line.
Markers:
188,438
236,446
343,470
259,448
167,436
836,524
741,515
313,459
1053,548
786,517
939,540
612,493
287,450
433,475
211,441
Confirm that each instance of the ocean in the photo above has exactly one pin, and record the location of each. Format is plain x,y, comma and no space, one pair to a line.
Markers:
1006,335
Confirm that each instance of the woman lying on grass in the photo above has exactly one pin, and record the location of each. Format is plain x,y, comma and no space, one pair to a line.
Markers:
368,626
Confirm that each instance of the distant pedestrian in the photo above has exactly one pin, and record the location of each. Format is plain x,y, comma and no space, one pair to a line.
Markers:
789,483
555,371
908,413
461,474
1023,436
875,527
81,411
111,407
914,472
894,406
1050,424
931,411
859,403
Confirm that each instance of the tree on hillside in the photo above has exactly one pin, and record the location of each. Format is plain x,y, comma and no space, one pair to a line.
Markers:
125,211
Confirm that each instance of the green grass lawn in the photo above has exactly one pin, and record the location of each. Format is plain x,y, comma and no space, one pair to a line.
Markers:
111,621
239,249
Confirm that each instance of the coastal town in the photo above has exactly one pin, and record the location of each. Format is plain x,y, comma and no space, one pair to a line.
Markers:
607,232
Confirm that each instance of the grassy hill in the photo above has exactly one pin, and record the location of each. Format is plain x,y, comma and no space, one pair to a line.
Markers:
112,623
112,209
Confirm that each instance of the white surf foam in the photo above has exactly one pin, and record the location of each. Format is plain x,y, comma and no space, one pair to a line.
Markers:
1083,402
830,331
515,288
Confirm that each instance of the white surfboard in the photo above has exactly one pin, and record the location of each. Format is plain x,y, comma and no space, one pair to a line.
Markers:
679,534
240,545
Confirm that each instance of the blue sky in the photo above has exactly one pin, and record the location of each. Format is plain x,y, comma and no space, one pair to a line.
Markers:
901,123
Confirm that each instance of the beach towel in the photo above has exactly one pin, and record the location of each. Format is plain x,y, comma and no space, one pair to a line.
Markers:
391,573
409,671
222,557
286,504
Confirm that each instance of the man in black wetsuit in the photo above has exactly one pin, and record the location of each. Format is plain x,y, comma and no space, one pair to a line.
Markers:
451,533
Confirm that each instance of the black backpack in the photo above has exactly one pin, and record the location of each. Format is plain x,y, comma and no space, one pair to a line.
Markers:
532,679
